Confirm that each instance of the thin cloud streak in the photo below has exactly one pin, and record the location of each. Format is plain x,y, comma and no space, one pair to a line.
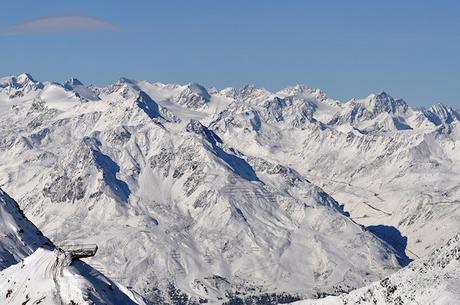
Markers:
61,24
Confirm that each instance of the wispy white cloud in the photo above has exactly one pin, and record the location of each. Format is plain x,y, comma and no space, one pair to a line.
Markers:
61,24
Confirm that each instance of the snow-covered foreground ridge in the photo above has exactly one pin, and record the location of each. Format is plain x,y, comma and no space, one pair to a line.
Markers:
37,272
49,277
433,280
200,194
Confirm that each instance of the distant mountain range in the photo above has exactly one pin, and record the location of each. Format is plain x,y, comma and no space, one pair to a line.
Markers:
195,194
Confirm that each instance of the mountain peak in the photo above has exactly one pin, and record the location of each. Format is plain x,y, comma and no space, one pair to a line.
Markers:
80,90
24,78
439,113
21,79
300,89
124,80
249,87
17,86
200,90
439,106
382,95
74,82
248,92
383,102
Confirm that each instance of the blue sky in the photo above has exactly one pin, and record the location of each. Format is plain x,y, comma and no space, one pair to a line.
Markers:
347,48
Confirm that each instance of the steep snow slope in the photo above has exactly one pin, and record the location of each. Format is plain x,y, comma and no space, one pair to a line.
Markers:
174,208
429,281
38,273
18,236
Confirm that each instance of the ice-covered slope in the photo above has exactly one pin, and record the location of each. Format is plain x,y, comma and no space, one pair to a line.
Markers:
433,280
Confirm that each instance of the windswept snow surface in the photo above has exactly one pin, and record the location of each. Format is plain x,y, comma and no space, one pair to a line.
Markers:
433,280
192,192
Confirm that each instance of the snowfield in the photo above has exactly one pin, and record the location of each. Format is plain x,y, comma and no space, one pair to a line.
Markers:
195,194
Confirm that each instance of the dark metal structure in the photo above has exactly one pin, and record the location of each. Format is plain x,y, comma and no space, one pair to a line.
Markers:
77,251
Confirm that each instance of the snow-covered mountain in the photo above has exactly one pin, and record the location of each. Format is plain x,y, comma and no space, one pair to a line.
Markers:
74,85
432,280
34,271
198,194
19,86
394,168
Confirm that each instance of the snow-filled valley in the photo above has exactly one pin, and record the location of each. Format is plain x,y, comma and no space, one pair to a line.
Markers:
239,195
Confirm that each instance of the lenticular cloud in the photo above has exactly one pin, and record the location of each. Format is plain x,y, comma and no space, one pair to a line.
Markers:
61,24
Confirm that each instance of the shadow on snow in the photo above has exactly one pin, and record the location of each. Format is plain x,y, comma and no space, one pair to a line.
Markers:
393,237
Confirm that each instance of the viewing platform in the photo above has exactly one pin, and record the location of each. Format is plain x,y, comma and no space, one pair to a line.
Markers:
78,251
